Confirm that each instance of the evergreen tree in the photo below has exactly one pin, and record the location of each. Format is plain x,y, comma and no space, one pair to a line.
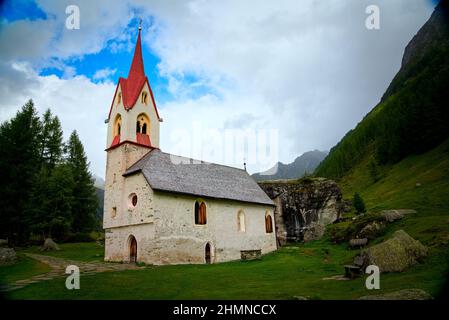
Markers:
51,144
51,215
358,203
19,158
85,200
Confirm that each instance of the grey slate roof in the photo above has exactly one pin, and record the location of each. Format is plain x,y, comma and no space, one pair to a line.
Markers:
167,172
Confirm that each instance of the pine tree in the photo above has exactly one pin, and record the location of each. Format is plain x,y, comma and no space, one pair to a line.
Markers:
359,204
51,215
19,158
51,144
85,200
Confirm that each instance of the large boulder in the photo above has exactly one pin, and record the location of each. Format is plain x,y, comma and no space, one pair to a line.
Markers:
372,230
393,215
7,256
313,232
406,294
395,254
50,245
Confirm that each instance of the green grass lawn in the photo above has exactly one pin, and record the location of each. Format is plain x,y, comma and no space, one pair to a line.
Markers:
84,251
292,271
25,268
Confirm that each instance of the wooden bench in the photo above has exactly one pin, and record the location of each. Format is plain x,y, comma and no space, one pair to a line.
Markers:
352,271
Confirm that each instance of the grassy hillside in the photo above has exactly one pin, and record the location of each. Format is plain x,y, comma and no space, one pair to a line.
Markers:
419,182
412,117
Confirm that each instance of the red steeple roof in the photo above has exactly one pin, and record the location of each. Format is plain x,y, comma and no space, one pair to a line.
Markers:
132,86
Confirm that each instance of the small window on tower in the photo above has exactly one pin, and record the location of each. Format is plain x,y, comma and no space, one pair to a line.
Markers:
117,125
119,98
144,97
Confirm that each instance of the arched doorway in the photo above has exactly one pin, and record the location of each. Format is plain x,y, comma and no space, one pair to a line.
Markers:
207,253
132,249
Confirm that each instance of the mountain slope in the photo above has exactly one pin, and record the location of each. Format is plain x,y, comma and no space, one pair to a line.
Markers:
413,114
398,155
306,163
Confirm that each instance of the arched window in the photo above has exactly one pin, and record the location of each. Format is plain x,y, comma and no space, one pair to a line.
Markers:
117,125
144,97
268,223
200,212
241,221
119,98
142,124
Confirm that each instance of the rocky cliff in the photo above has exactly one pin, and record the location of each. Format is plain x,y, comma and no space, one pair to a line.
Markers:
301,203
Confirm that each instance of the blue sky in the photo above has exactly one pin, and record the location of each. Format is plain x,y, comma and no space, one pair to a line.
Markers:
117,61
301,73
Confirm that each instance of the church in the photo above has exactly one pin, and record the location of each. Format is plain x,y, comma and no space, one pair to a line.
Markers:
160,208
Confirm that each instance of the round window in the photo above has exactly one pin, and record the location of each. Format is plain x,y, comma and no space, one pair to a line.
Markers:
132,200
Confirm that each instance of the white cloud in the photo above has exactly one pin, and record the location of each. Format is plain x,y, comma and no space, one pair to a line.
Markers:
80,104
104,73
309,69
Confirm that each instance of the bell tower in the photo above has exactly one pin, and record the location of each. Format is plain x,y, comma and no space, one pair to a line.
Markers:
133,131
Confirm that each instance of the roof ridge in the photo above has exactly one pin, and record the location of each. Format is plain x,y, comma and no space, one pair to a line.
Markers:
205,162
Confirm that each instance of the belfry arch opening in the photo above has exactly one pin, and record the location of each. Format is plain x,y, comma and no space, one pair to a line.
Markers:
117,125
143,124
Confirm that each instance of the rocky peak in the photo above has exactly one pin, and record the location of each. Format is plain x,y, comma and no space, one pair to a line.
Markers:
435,30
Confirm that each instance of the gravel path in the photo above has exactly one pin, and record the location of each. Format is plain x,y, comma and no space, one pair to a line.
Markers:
58,266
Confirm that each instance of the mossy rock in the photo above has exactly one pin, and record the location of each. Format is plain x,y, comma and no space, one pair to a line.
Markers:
395,254
347,230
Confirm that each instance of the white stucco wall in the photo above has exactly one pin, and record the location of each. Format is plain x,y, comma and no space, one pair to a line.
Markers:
168,233
118,189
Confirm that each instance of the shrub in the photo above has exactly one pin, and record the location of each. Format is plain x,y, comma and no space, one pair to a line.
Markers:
359,204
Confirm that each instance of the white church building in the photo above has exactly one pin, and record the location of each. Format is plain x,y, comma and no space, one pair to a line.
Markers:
164,209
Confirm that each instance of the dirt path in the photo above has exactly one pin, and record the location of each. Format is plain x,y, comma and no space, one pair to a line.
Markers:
58,266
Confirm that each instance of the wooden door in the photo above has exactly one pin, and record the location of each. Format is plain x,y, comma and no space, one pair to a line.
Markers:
133,250
207,253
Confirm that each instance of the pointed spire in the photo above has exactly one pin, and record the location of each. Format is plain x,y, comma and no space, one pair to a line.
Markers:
133,84
137,69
